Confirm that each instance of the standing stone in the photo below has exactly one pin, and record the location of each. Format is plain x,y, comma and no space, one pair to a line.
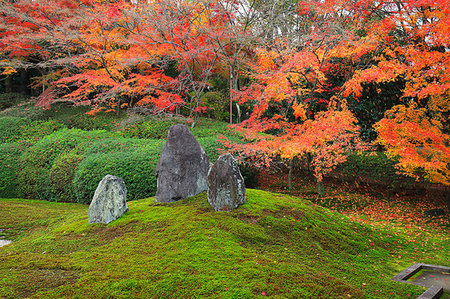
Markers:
182,168
110,200
226,189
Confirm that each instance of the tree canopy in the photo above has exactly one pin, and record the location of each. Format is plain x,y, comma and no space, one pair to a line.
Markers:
304,76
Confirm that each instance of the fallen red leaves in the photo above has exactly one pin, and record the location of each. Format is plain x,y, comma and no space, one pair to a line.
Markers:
379,209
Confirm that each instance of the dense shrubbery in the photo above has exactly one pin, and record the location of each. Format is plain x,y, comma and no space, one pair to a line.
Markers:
373,168
150,129
36,162
61,176
44,159
38,129
132,160
9,155
55,163
208,128
11,128
211,146
76,117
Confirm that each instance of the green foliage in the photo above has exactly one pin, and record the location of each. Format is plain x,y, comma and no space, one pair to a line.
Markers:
36,162
66,115
373,168
132,160
207,127
217,104
118,144
76,117
61,176
10,99
14,129
148,129
211,146
376,98
11,127
38,129
9,154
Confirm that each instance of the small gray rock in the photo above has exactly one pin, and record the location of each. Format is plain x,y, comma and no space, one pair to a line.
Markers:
226,188
110,200
182,169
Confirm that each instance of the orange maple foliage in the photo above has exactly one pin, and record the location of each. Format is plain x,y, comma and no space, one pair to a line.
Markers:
418,141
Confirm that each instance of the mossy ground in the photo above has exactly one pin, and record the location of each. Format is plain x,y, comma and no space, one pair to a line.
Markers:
275,245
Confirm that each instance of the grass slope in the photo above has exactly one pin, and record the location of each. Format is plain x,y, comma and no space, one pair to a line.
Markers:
275,245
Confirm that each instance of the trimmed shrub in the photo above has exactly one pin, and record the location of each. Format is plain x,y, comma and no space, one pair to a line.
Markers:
27,109
61,176
211,146
12,127
38,130
75,117
151,129
134,163
114,144
36,161
9,154
373,168
208,127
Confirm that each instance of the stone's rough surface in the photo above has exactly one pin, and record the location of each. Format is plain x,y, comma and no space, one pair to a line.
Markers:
5,242
226,189
110,200
182,169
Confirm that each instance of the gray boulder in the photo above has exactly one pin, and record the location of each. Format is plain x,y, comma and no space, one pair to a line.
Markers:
182,169
110,200
226,188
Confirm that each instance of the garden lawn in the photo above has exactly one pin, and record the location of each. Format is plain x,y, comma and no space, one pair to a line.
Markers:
274,245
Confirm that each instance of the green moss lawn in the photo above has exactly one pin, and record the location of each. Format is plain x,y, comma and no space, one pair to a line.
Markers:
275,245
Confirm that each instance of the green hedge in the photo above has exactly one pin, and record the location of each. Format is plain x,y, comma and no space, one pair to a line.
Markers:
35,163
211,146
12,127
207,127
150,129
61,176
9,155
374,168
132,160
75,117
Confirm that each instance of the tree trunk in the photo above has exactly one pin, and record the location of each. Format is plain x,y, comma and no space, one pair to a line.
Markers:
447,198
8,84
320,188
291,164
24,82
233,86
231,94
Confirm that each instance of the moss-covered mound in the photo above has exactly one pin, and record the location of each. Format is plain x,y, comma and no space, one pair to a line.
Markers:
274,245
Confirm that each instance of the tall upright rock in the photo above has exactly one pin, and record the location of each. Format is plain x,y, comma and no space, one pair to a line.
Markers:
182,169
226,188
110,200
